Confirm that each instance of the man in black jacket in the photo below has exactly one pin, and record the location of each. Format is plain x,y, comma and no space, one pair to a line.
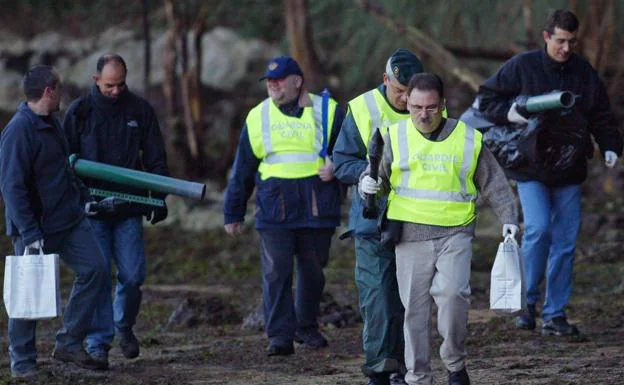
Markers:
549,182
114,126
44,204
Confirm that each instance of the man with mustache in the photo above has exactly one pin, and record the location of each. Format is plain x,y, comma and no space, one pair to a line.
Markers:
432,170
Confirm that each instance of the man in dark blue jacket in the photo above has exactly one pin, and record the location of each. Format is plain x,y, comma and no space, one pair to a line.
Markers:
114,126
44,209
549,181
283,151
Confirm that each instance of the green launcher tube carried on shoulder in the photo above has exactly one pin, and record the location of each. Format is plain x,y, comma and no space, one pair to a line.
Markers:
139,179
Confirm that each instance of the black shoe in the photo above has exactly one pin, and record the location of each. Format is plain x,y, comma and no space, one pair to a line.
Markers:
280,350
559,326
78,357
28,373
526,321
101,357
379,379
396,379
459,378
311,337
129,344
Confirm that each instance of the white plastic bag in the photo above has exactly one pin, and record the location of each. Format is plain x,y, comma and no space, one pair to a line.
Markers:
31,286
508,285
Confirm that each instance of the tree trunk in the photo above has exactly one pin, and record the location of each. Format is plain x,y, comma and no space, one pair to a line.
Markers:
147,48
169,59
527,16
301,42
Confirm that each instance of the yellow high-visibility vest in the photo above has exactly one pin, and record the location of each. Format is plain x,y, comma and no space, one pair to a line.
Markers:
288,146
371,110
433,182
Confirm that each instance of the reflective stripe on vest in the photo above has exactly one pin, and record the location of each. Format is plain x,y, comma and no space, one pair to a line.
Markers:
435,188
371,110
296,154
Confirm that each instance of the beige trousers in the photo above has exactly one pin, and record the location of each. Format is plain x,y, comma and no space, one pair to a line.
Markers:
435,270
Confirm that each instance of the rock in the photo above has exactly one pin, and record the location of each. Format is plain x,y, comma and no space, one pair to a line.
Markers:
254,321
10,90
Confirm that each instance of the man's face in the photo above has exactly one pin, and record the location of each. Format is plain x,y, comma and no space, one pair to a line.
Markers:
560,44
112,81
425,108
284,90
54,96
396,93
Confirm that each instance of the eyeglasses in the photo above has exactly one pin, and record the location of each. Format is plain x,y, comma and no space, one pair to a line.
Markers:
428,109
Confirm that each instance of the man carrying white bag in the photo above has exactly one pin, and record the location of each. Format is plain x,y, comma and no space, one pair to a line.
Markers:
31,286
45,201
508,285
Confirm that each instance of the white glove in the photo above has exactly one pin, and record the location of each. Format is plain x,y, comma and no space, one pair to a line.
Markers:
509,229
610,158
87,208
369,185
38,244
514,116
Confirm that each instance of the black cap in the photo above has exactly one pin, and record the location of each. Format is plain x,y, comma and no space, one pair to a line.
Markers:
280,67
402,65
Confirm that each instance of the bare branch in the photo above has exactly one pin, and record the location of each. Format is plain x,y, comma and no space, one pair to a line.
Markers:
425,46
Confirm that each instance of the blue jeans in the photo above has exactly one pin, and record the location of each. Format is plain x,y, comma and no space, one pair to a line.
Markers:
121,241
552,218
78,249
283,315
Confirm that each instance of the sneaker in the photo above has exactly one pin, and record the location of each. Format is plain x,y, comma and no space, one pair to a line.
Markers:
280,350
311,337
396,379
526,321
459,378
129,344
559,326
101,357
28,373
78,357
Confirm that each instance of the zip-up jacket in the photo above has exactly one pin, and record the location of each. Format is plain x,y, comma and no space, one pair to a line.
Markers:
282,203
41,194
534,73
121,132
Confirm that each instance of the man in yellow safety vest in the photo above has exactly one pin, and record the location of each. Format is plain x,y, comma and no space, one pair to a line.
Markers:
432,170
284,152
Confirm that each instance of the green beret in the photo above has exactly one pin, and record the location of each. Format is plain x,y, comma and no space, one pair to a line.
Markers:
402,65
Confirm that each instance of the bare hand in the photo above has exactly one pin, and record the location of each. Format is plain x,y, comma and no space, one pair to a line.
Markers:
326,172
233,229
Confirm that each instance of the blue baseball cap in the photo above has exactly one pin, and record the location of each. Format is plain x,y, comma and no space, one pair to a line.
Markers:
280,67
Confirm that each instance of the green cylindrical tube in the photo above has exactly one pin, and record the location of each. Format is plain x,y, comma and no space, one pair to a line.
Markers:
559,99
139,179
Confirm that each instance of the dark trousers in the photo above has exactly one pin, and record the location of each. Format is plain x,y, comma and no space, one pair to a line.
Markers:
78,249
283,315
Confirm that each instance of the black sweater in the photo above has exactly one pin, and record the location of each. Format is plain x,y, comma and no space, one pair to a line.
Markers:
534,73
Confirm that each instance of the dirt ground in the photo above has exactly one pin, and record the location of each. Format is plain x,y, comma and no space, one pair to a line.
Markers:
217,281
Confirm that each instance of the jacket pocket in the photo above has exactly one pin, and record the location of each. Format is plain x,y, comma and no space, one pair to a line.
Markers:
271,206
325,200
